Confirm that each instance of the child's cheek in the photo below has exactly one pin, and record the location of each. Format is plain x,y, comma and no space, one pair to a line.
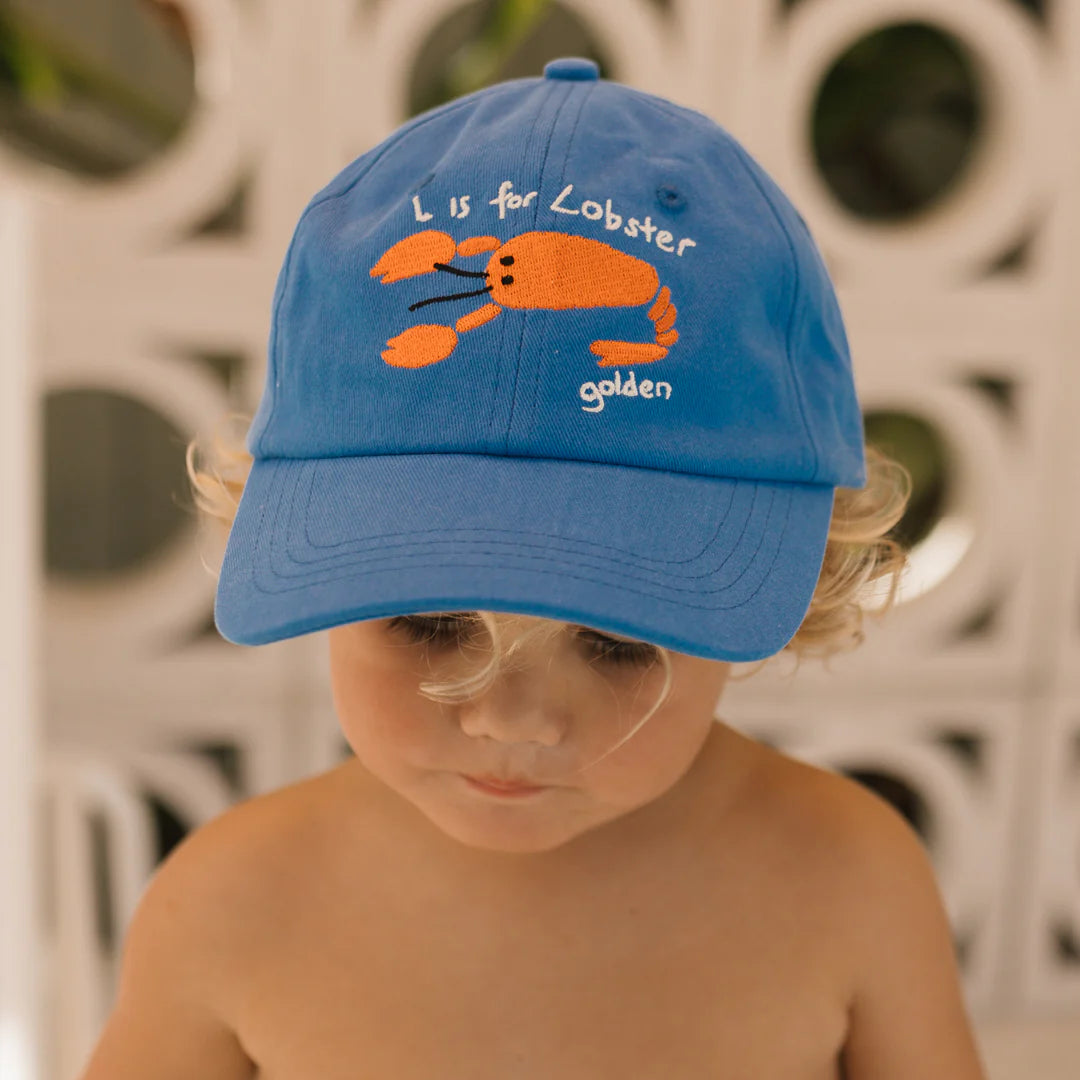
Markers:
404,729
381,715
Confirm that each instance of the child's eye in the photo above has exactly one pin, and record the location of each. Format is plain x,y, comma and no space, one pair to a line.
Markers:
427,628
619,652
443,629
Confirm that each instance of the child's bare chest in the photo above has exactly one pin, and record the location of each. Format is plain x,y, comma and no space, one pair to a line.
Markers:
410,1007
735,978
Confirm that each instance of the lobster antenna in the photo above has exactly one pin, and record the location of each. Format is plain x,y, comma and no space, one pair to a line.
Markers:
461,273
453,296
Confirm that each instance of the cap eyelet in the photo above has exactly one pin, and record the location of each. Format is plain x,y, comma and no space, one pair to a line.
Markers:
669,198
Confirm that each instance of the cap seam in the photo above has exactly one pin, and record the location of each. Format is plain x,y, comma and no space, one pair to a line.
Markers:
671,108
524,314
796,286
679,111
550,457
539,187
542,330
301,581
625,556
285,513
505,323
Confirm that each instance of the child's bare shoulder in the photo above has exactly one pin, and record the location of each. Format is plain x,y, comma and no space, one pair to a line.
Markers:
831,819
200,925
262,833
848,846
241,868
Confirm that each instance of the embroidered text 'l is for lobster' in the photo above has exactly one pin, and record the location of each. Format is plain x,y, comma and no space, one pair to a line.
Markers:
549,271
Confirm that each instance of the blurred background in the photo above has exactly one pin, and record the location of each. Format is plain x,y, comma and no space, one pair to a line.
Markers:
154,159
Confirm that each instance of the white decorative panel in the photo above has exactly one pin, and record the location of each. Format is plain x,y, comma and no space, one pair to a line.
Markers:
84,792
1007,182
1050,972
20,720
966,698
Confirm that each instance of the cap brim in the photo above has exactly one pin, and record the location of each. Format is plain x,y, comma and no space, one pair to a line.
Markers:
717,568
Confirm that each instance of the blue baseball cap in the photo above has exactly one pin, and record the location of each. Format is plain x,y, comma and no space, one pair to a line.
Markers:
558,347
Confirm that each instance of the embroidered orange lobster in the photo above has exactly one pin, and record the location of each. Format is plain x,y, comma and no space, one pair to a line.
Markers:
549,271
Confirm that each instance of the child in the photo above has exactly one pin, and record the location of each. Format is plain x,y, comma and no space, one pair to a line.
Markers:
559,423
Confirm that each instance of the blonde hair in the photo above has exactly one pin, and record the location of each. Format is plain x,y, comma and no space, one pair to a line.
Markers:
858,551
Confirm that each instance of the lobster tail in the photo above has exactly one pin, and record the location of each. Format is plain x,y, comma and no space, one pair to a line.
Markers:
662,313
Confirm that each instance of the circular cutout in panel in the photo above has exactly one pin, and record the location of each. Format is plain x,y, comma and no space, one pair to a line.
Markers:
966,221
97,97
935,538
483,43
916,444
897,791
896,119
1036,7
114,480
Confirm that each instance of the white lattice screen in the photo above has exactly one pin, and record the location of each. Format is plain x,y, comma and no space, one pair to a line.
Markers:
969,694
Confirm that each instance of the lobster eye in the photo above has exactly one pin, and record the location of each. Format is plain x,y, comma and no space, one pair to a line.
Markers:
507,260
508,280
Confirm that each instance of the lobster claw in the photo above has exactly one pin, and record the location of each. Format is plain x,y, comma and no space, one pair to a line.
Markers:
416,254
420,345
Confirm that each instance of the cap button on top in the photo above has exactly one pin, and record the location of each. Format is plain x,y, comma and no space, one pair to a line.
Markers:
572,67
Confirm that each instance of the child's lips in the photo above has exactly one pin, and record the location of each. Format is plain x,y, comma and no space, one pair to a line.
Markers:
495,786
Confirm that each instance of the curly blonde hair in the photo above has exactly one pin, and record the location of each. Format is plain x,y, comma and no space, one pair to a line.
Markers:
858,551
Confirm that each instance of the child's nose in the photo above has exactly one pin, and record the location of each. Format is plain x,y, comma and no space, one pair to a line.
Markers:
517,710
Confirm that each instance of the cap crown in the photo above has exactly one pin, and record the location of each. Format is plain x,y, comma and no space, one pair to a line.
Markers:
666,305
